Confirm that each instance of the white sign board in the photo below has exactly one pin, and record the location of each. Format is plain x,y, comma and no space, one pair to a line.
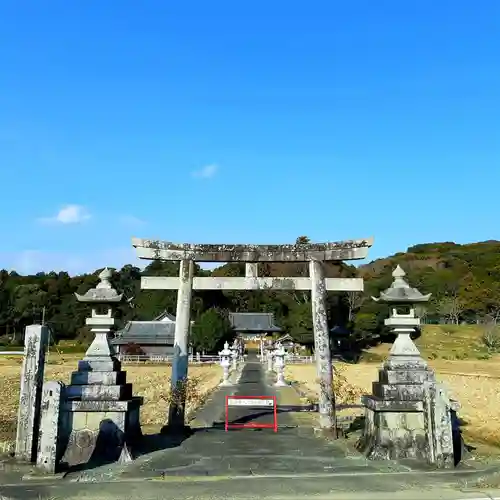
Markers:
250,402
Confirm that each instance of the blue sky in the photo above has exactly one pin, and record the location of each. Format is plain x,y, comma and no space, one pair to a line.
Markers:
254,122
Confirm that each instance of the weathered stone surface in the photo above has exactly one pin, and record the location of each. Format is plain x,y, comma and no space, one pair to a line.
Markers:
406,376
400,291
49,442
181,339
345,250
103,365
103,406
99,377
95,437
30,396
103,293
376,404
251,269
439,408
322,344
251,283
398,392
394,435
99,391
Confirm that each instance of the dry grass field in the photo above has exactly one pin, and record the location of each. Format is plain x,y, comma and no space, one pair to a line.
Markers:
461,362
475,384
150,381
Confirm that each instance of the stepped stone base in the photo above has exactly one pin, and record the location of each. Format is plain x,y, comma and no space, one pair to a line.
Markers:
99,417
394,430
407,416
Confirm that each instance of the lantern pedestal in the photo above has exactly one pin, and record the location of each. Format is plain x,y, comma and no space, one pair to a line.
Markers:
395,425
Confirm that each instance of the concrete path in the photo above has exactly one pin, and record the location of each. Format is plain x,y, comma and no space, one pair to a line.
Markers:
249,464
245,452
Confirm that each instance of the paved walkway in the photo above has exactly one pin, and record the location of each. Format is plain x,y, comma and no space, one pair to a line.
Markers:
211,451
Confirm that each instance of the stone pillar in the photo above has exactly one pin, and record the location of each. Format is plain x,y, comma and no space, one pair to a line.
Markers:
322,345
52,399
28,417
251,270
182,327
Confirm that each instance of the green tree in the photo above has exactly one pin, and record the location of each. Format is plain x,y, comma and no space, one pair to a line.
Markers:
365,325
210,331
300,325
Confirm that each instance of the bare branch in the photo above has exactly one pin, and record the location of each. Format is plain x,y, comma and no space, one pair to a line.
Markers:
354,301
451,308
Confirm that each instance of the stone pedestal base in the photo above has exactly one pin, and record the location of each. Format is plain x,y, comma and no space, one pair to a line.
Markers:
394,430
98,431
408,416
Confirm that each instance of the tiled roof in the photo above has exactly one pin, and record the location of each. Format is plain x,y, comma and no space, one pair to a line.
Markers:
253,322
285,338
146,332
164,315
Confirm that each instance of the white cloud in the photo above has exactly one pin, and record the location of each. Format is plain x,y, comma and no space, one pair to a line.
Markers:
206,172
69,214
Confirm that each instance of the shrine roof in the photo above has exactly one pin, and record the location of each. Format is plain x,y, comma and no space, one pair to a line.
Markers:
253,322
146,332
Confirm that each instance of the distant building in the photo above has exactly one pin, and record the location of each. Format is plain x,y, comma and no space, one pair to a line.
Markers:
251,326
286,341
153,337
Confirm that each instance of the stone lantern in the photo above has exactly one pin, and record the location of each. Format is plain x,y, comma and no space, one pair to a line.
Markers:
402,320
225,362
99,416
408,414
234,354
279,363
102,297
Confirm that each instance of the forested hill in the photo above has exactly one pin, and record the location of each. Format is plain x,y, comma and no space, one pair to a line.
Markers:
464,281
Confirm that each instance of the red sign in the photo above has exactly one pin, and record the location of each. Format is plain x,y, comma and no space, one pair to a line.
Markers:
252,402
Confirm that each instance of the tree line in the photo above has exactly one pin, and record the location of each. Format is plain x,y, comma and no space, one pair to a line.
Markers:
464,281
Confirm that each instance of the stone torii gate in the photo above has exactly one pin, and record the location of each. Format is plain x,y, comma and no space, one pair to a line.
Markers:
314,253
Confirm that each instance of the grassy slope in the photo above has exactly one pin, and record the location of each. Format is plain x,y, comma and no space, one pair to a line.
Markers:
446,342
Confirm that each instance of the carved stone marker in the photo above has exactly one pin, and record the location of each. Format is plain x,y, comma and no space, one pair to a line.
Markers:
314,253
408,415
49,449
35,343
